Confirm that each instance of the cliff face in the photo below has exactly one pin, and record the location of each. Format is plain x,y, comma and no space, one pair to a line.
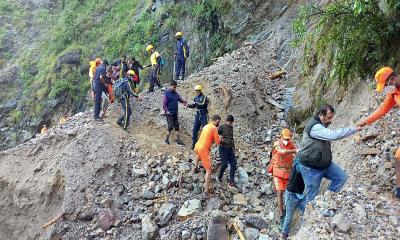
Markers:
46,45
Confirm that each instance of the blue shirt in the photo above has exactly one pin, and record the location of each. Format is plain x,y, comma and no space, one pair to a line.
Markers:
182,49
100,71
321,132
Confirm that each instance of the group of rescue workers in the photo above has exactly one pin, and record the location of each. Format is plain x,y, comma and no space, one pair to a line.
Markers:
297,172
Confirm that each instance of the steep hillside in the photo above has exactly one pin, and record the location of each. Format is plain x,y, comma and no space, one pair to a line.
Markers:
46,46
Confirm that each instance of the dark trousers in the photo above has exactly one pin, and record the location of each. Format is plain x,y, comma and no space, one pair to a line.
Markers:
180,67
153,79
127,112
98,91
227,156
200,120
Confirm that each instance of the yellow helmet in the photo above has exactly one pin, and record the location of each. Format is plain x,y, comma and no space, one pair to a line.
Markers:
149,47
198,88
178,34
130,72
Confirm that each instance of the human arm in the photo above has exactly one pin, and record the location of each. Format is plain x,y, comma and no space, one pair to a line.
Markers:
186,50
182,101
139,65
281,151
165,104
384,108
129,90
217,139
320,132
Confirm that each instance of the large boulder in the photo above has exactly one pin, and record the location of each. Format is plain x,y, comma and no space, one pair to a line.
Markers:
165,213
72,57
217,228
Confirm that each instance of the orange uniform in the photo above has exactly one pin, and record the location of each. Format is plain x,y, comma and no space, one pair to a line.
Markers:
208,135
390,101
281,164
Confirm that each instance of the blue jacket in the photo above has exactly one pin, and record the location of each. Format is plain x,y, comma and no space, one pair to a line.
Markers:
200,103
170,101
182,48
127,90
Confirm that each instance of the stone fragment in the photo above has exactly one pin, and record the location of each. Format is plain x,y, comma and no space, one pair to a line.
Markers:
189,208
149,229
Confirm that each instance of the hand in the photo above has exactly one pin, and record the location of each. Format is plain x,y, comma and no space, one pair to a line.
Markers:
140,97
361,124
167,113
358,128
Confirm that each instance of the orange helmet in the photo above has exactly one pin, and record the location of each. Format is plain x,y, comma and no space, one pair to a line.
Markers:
381,76
286,134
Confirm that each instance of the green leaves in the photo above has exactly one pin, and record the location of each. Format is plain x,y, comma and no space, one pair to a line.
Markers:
354,35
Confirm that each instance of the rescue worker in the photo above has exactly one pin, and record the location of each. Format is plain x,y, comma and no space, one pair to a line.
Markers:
181,54
136,67
281,166
227,151
107,97
100,86
121,65
389,82
316,154
63,119
155,67
44,129
203,148
170,105
201,118
294,198
92,70
127,93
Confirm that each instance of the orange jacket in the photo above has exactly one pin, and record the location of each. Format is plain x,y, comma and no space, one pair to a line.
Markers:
208,135
390,101
281,163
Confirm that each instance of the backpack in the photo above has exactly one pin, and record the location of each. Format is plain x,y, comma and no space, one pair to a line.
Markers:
118,91
161,62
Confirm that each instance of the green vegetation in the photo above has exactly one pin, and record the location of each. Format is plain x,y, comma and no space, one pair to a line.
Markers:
15,116
355,37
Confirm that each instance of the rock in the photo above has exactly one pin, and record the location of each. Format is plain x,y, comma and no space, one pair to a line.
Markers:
149,229
106,203
73,58
214,204
388,165
394,220
341,222
251,234
106,219
184,167
217,228
243,176
139,172
255,222
87,213
189,208
165,213
239,199
370,151
263,236
185,235
148,195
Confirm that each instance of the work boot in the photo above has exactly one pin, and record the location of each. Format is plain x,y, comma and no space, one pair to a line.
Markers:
167,142
232,185
179,142
284,236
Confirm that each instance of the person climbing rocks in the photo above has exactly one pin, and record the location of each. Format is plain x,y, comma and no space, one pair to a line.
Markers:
281,165
92,70
124,94
107,97
63,119
135,66
203,148
389,82
201,118
100,86
181,54
43,130
121,65
155,67
227,151
316,154
294,198
170,102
